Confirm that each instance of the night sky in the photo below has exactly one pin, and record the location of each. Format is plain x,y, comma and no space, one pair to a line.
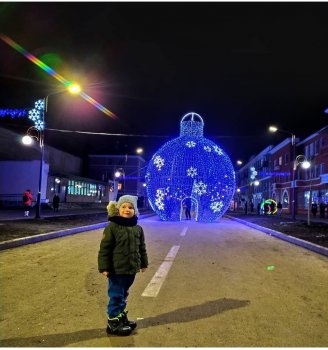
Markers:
241,66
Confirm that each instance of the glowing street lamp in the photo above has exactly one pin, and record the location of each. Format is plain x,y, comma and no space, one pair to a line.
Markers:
27,140
74,88
139,150
118,174
273,128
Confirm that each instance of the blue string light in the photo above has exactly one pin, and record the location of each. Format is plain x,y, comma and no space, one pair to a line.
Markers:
190,166
13,113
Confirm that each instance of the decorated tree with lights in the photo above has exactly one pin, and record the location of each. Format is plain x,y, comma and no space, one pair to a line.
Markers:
190,166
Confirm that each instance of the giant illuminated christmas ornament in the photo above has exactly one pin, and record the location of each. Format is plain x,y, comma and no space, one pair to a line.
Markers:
190,167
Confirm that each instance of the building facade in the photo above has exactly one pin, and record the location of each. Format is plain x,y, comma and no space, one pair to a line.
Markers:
276,173
125,172
61,174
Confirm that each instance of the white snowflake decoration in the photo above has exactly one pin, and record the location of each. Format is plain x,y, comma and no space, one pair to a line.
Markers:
159,162
192,172
39,125
218,150
253,173
191,144
159,199
147,177
34,114
160,194
39,104
216,206
200,188
207,149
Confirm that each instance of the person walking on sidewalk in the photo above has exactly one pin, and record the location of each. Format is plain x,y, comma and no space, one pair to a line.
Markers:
55,202
187,205
279,208
27,202
121,255
314,209
322,208
258,208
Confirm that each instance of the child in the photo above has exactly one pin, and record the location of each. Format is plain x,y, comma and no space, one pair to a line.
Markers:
121,255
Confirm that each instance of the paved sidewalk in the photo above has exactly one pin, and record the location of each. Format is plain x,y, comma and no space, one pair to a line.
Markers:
18,214
298,217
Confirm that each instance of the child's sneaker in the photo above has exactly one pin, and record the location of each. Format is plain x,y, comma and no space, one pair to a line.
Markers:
127,322
115,326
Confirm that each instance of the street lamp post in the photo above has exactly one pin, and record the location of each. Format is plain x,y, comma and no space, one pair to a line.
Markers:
37,115
293,139
38,207
38,134
305,164
118,173
310,192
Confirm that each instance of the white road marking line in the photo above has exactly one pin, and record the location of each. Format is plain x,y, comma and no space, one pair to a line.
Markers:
184,231
156,282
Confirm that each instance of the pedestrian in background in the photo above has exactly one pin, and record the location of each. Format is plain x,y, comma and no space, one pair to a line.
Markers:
266,208
121,255
279,208
27,202
187,206
322,208
314,209
55,202
246,207
258,208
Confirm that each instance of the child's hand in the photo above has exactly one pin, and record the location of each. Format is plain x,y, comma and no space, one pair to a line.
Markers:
143,269
105,273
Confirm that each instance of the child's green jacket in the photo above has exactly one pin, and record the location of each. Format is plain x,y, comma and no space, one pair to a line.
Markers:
122,249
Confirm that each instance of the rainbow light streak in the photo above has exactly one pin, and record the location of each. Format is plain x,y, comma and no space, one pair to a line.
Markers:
54,74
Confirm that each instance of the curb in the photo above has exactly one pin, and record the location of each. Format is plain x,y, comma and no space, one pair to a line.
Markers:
300,242
55,234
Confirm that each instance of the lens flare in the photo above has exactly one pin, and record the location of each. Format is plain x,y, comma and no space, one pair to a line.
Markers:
54,74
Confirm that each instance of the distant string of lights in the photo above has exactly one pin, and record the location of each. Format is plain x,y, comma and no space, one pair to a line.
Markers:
130,135
54,74
22,113
104,133
14,113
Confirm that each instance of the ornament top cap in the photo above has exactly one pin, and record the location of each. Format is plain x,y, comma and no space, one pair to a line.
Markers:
191,124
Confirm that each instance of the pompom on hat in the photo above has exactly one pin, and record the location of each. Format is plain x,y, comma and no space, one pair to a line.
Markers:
113,207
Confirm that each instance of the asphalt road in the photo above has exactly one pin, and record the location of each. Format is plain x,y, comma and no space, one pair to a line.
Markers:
228,286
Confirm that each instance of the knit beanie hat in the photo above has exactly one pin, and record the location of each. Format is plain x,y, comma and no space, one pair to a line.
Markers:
129,199
113,207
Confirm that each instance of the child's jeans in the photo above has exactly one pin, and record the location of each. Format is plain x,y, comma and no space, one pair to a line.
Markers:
118,291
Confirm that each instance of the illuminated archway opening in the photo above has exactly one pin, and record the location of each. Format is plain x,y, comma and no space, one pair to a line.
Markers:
269,207
193,208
